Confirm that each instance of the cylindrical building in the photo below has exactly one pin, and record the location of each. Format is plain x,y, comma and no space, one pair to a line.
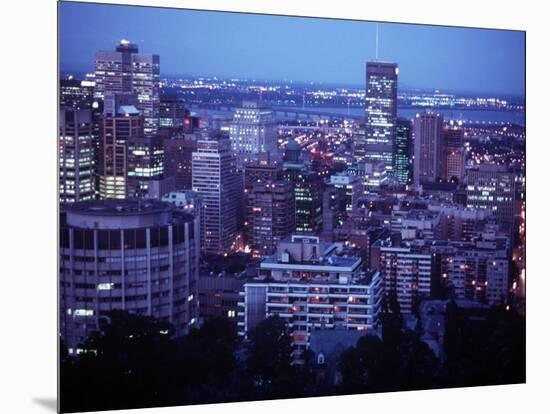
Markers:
134,255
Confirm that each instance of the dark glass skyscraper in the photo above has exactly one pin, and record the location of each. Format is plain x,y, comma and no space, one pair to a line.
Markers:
428,147
308,193
172,111
403,151
270,215
453,152
381,113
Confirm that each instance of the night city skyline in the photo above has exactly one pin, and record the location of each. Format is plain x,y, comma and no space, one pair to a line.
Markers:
288,48
228,239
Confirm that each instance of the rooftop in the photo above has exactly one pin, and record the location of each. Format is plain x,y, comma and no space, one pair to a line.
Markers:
127,110
327,261
112,207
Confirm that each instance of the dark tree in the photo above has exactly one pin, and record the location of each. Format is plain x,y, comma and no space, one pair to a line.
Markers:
269,362
122,367
392,321
484,349
269,352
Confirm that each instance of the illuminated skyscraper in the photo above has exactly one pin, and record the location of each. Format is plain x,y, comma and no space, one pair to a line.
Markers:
79,94
75,93
403,151
118,128
381,113
252,131
217,182
75,155
453,158
172,111
131,165
127,71
178,154
146,168
308,193
359,142
270,215
340,196
491,187
428,147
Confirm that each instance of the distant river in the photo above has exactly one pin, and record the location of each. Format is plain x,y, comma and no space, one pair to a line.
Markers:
456,114
475,116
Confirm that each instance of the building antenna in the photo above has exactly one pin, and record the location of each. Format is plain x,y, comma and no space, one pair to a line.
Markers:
376,56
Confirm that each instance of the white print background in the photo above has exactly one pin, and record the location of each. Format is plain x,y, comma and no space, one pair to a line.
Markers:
28,209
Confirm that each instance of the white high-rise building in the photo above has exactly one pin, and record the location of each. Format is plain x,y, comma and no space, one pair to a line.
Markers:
219,185
252,131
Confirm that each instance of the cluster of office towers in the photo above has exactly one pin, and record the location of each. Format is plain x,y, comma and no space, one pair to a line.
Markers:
436,154
330,245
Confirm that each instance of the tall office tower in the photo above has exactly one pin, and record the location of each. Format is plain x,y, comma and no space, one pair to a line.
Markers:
253,130
269,216
492,187
312,285
262,170
76,94
428,147
403,152
406,270
360,142
145,168
122,123
178,156
453,157
124,70
79,94
137,256
217,182
172,110
381,113
340,196
308,194
76,175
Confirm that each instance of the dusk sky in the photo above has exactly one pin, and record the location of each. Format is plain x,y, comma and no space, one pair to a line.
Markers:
302,49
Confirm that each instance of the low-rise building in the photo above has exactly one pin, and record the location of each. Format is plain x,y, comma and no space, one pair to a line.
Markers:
311,285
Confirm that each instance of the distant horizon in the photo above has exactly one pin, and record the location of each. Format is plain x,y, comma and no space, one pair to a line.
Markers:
320,50
401,87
